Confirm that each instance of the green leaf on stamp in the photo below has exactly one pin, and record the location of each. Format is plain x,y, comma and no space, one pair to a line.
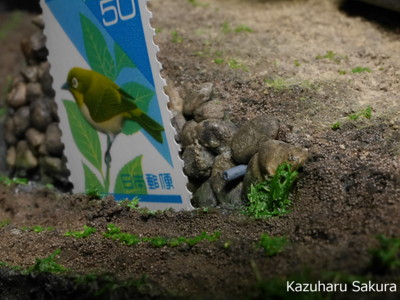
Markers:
122,60
130,178
85,136
142,96
97,52
91,181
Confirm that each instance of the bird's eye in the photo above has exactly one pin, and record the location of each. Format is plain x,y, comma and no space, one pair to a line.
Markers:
74,83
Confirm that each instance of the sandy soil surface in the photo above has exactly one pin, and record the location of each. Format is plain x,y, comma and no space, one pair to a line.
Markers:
312,64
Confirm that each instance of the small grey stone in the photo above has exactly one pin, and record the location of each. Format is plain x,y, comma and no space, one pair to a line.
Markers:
175,100
178,121
34,137
11,157
21,121
253,175
38,41
198,162
53,142
34,48
46,80
273,153
51,165
188,134
216,135
40,114
53,110
228,193
246,141
222,163
204,196
54,170
213,109
38,21
231,197
24,157
43,150
196,98
17,97
33,91
9,135
30,73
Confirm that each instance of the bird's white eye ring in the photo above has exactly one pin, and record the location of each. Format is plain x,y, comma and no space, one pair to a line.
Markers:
74,82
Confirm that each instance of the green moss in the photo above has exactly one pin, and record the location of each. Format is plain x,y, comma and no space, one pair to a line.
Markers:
234,64
4,223
366,113
270,197
87,231
243,28
272,245
336,126
47,265
361,70
386,258
115,233
176,37
9,181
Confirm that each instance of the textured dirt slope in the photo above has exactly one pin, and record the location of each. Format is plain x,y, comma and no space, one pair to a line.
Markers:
347,193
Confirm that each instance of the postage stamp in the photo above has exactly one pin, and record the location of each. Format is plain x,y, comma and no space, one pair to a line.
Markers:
113,110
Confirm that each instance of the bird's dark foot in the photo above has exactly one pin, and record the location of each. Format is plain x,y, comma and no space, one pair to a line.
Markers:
107,158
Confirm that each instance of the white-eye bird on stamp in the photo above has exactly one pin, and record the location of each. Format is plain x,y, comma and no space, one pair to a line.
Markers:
106,106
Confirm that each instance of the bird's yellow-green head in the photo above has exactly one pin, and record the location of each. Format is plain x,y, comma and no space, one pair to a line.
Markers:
78,80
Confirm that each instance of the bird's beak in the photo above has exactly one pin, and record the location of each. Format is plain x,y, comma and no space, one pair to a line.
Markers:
65,86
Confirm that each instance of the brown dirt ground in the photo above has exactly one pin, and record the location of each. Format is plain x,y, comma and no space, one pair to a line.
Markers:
348,192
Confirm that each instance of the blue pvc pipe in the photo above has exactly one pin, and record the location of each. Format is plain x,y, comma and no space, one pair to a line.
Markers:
234,172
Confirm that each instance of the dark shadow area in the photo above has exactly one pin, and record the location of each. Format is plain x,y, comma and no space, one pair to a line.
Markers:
27,5
386,18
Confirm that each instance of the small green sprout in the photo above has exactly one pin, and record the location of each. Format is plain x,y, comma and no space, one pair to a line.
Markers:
278,84
226,27
243,28
336,126
366,113
176,37
342,72
297,63
361,70
387,256
234,64
38,229
87,231
9,181
272,245
114,233
270,197
219,60
93,193
131,204
330,55
4,223
47,265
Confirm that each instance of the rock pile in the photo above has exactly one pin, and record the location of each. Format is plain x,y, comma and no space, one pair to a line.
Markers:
31,131
211,144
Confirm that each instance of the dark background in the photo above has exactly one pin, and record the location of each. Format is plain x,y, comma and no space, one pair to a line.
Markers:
29,5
